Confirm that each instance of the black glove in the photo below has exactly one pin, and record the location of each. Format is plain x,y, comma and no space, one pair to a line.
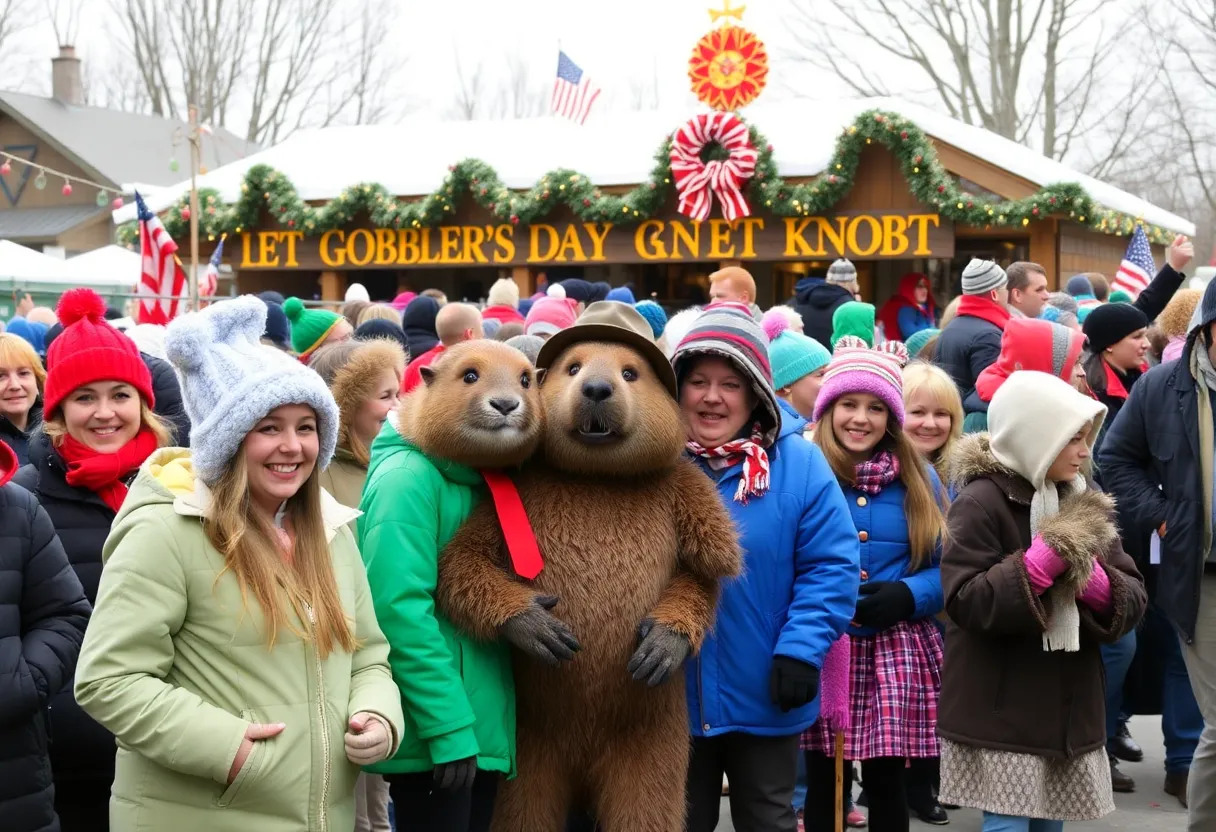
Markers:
540,633
661,652
792,683
457,775
882,604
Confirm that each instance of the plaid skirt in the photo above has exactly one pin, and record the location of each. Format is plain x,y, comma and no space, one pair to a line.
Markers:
895,679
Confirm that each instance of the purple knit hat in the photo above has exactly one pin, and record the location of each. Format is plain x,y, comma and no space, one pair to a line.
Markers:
856,368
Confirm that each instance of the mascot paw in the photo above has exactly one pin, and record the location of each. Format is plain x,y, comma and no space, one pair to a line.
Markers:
457,775
540,633
660,654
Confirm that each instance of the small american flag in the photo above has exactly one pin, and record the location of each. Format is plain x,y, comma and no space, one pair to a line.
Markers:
573,92
1137,268
211,278
161,274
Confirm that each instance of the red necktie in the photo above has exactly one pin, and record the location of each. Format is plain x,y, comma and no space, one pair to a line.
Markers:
521,540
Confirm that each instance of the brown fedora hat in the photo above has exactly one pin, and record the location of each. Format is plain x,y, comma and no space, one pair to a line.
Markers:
613,322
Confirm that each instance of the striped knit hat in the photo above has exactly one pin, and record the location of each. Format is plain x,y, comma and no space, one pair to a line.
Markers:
982,276
727,330
842,271
856,368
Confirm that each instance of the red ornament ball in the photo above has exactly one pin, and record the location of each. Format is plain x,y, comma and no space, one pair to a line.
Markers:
67,188
770,148
970,204
291,223
832,179
919,159
586,203
514,219
117,203
185,213
903,134
283,209
1035,210
941,189
6,168
878,118
1052,200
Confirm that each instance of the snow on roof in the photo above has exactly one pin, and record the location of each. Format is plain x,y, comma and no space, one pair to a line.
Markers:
412,158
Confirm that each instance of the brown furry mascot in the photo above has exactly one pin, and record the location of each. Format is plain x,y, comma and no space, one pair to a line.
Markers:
635,541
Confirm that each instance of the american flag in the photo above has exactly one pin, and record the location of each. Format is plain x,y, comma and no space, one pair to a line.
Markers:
211,278
1137,268
573,92
161,273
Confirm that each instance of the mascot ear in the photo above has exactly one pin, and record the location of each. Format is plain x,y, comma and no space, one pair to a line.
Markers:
540,377
428,375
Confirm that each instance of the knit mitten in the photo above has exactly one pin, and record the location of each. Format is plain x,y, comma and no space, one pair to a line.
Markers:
1043,565
882,604
792,683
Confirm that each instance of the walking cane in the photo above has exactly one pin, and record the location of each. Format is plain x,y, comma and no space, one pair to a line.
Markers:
834,711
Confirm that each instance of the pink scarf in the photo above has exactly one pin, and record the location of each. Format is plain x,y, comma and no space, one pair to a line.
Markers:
754,481
877,473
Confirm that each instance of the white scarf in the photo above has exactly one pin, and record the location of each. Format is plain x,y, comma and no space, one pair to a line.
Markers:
1064,625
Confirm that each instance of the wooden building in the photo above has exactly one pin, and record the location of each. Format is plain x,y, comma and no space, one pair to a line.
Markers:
398,212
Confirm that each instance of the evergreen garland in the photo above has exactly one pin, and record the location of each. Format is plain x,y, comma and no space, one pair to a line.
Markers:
267,189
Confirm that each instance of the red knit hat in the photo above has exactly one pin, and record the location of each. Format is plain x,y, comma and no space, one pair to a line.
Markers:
90,350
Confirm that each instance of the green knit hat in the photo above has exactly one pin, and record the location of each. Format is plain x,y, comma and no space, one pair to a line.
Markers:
917,340
309,327
792,355
852,318
1119,296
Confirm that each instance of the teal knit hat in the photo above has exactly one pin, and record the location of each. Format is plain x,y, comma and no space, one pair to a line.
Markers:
917,340
309,327
854,318
791,354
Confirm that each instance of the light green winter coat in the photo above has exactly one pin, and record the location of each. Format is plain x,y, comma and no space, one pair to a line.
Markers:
176,667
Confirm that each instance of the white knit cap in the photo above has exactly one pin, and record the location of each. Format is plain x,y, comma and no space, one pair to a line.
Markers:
504,292
842,271
357,291
982,276
230,381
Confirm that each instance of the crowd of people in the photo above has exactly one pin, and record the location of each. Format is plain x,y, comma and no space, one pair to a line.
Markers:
974,541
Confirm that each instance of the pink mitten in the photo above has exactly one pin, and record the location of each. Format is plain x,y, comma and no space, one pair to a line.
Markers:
1043,565
1097,594
834,687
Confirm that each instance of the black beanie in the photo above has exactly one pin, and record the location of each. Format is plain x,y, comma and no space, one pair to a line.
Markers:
1110,323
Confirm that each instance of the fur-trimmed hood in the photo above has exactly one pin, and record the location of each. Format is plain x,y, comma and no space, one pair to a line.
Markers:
355,381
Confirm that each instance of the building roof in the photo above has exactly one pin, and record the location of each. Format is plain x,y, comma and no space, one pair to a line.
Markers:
413,157
114,146
109,264
32,224
20,263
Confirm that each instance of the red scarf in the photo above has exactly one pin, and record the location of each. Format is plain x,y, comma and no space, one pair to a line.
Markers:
978,306
755,462
516,529
103,473
1114,384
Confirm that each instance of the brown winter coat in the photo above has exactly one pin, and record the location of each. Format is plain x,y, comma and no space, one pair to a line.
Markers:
1000,688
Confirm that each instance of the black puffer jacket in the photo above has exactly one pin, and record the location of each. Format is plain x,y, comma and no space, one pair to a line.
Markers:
816,301
168,395
17,439
83,750
43,613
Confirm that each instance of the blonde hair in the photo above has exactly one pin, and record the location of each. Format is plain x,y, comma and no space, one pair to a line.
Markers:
923,377
248,543
380,311
54,426
949,312
15,351
926,523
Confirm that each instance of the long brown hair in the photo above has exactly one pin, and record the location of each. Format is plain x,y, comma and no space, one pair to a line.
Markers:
926,523
248,543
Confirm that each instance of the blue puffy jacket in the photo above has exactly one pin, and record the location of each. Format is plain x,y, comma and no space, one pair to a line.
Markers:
883,531
795,597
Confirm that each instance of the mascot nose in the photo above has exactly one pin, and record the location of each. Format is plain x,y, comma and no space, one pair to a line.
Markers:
505,406
597,391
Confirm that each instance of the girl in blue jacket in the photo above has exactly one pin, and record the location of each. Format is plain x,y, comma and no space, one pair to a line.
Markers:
895,648
754,686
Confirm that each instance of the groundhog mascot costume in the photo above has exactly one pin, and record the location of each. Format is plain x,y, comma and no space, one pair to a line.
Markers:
634,541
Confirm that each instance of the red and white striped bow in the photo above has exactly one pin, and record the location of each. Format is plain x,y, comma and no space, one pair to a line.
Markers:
697,181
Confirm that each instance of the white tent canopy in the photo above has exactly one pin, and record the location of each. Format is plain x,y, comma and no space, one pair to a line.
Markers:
109,266
18,263
412,158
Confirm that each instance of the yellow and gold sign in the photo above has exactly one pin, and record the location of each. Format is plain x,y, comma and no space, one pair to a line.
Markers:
869,236
729,65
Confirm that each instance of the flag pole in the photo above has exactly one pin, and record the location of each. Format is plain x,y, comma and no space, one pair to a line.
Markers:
193,139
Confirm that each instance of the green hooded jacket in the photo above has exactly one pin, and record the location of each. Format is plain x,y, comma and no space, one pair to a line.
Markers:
458,694
176,666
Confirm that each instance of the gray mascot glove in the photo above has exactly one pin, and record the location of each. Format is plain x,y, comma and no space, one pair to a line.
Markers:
457,775
660,654
540,633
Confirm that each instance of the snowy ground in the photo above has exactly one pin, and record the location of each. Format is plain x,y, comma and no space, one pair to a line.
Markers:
1148,808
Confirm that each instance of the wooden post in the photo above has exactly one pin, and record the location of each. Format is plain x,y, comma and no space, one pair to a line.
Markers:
333,286
1045,249
522,276
193,139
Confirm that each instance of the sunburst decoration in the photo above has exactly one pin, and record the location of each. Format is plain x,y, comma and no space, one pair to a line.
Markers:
728,68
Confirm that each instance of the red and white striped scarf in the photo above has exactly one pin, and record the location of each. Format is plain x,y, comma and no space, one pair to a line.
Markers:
754,481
